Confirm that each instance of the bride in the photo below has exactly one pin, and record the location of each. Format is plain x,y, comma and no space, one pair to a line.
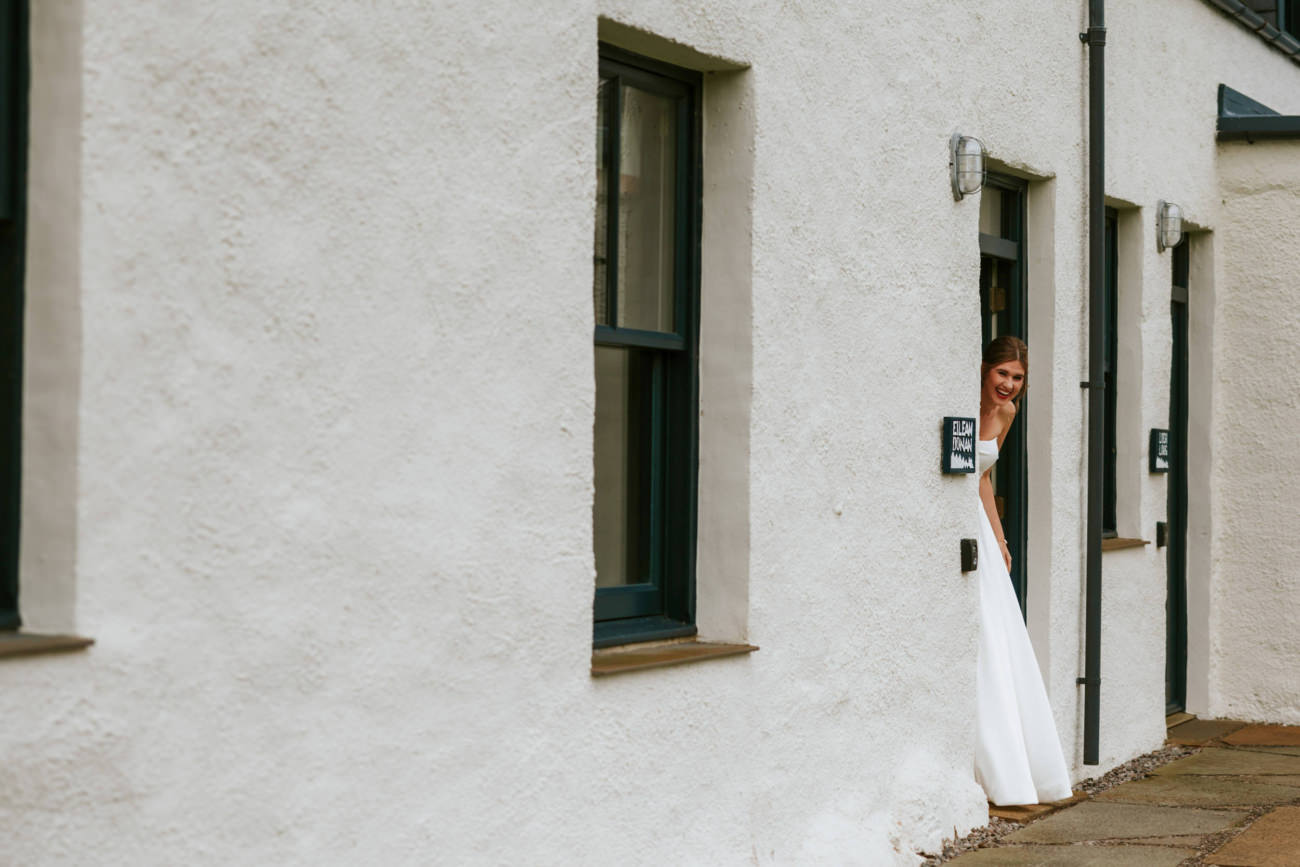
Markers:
1018,756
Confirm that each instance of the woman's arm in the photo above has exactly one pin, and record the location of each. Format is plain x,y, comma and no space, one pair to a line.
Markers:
991,509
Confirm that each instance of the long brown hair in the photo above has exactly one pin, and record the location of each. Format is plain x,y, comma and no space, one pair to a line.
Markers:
1003,349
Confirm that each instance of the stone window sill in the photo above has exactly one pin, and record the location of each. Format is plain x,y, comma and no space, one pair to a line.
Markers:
32,643
616,660
1116,544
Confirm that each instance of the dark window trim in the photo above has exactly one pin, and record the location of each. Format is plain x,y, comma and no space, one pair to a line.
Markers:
1243,119
1181,268
1110,344
646,612
632,337
14,82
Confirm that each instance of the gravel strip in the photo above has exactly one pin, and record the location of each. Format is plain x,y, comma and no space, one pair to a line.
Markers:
1134,769
978,838
990,834
1214,841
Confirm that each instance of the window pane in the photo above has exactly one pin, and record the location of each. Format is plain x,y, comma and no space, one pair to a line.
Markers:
991,212
599,293
648,169
624,444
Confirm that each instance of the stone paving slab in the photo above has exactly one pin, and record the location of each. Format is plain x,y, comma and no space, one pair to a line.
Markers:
1074,856
1093,820
1291,780
1199,732
1163,819
1238,762
1277,751
1185,840
1272,841
1273,736
1203,790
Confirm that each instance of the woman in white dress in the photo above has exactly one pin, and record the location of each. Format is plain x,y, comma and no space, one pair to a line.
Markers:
1018,756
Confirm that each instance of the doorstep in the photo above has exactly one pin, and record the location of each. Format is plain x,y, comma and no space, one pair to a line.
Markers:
1022,813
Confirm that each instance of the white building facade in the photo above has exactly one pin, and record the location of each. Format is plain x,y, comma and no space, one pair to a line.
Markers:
335,447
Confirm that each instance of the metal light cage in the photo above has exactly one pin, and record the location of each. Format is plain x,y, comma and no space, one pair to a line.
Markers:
967,165
1169,225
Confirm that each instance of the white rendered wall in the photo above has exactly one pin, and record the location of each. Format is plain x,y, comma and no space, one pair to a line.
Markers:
1256,594
333,492
1160,145
52,363
1173,155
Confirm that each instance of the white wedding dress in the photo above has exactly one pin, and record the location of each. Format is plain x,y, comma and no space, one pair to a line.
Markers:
1018,756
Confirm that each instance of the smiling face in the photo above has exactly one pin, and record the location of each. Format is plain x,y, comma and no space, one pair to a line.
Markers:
1003,383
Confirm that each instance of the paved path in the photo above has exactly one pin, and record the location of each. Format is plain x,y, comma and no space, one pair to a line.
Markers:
1235,803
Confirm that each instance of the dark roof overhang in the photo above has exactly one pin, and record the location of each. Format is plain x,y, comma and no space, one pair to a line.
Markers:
1243,119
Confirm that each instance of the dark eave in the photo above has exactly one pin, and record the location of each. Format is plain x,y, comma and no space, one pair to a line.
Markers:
1243,119
1283,42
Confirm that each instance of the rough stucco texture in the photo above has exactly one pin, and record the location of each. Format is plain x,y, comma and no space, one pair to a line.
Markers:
1256,591
334,466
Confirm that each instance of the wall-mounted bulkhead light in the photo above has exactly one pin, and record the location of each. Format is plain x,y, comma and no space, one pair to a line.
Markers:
1169,225
966,164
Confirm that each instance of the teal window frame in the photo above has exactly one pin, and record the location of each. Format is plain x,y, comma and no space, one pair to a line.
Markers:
14,77
1284,14
663,606
1110,344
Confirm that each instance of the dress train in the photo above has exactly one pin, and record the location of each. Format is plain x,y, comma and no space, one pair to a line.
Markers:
1018,756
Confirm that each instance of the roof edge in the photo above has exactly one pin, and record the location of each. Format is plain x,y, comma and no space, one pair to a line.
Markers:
1248,18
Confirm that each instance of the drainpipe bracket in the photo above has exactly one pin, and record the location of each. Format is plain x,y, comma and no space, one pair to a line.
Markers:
1093,36
1088,681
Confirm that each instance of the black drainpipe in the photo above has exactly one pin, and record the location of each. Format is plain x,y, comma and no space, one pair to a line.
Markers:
1095,38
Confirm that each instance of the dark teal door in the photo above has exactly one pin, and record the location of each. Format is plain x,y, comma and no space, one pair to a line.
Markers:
13,172
1176,562
1002,302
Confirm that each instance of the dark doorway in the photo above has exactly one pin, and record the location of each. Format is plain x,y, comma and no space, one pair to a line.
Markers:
1002,305
1176,604
13,218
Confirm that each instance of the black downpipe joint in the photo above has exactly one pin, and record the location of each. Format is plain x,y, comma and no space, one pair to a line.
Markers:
1096,41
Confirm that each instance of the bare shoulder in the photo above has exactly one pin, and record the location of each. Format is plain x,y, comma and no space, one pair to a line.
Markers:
1005,416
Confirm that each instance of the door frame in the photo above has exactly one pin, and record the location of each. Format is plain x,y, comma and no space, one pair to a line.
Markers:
1011,471
1176,502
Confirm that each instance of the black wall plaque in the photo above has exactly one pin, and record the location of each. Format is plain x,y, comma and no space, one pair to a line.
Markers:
1159,459
958,444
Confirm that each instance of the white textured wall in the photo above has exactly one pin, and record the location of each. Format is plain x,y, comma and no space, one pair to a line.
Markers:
1165,60
1256,594
333,440
52,363
1173,155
